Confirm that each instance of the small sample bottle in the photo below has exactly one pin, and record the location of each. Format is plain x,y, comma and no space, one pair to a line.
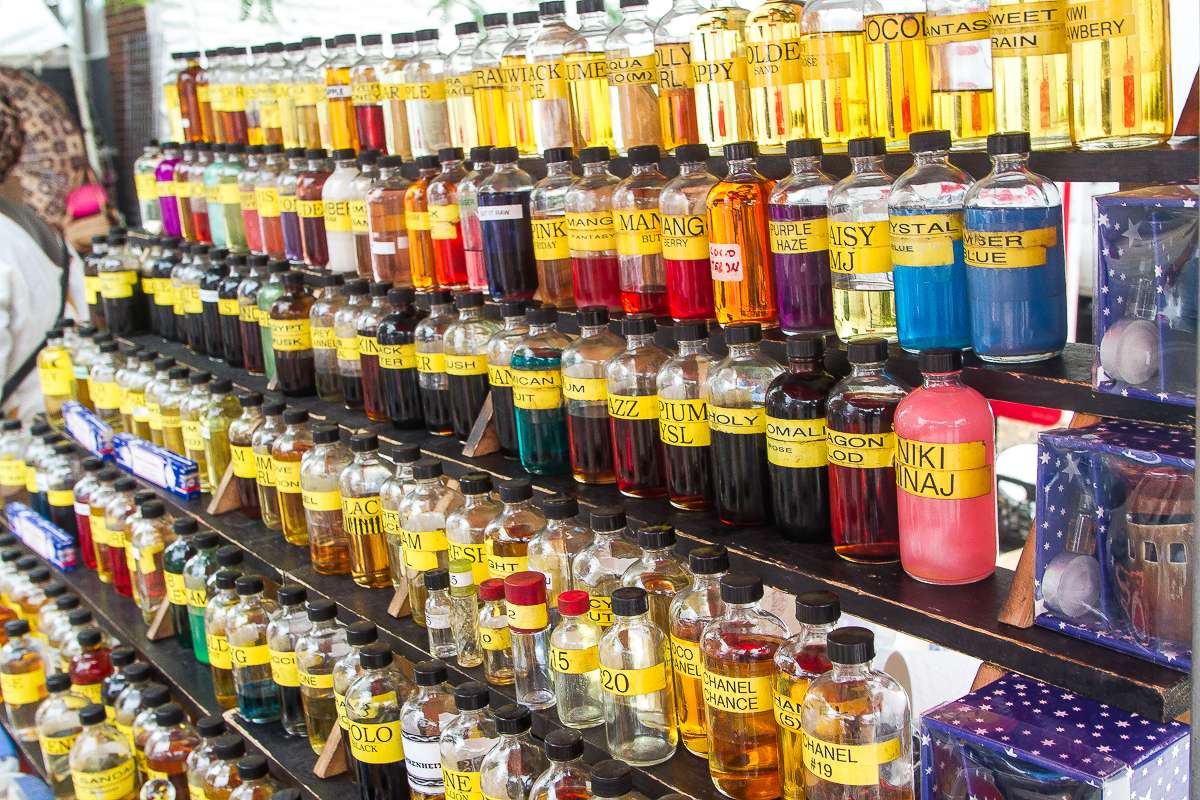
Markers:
228,310
926,231
168,747
692,609
124,699
683,418
945,445
201,758
398,375
373,703
466,740
439,613
1030,71
639,704
417,223
575,662
1014,250
737,419
551,248
425,104
264,468
514,763
797,661
102,384
266,198
287,450
684,218
386,225
494,636
317,651
499,354
508,247
429,336
449,259
861,452
241,452
638,228
528,624
360,483
537,395
216,634
289,621
860,252
101,761
420,544
22,679
721,75
255,781
775,70
899,90
195,581
174,557
552,549
421,720
659,572
190,409
632,72
633,410
739,251
90,664
567,775
465,527
598,567
591,234
246,626
738,649
116,525
465,347
799,227
797,459
832,721
464,612
506,538
518,83
291,338
58,726
585,388
391,496
320,471
836,85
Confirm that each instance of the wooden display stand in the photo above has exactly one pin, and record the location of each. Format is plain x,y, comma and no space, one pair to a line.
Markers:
163,624
224,496
332,760
482,440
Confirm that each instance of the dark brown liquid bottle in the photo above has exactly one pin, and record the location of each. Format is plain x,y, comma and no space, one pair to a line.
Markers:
367,325
398,361
291,338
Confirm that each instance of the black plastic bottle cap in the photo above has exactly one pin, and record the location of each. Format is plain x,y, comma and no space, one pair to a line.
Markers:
400,296
427,35
406,453
606,519
199,378
252,767
206,540
691,153
249,584
427,469
511,718
92,714
560,507
364,443
375,655
592,316
54,590
229,746
472,696
208,727
557,155
564,744
125,484
475,483
153,509
137,672
122,656
361,633
644,154
504,155
656,536
322,610
629,601
26,563
515,490
690,331
708,559
740,588
552,7
611,778
866,146
295,416
928,141
482,154
89,637
273,408
638,325
226,579
851,645
78,617
250,400
513,308
358,286
450,154
426,162
343,153
804,347
542,315
525,18
17,627
290,594
169,715
939,361
155,695
326,433
867,350
464,300
39,575
740,151
429,673
58,682
594,155
817,608
10,556
437,579
804,148
743,333
1011,143
230,555
495,20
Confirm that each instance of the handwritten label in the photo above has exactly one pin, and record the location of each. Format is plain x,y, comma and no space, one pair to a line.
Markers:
725,261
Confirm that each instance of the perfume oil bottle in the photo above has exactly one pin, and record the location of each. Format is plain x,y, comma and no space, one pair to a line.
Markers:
633,410
250,653
537,395
499,356
835,76
320,469
587,75
899,90
494,637
264,470
591,237
345,330
684,219
465,527
466,740
575,661
958,33
465,345
551,248
529,632
367,331
286,452
692,609
632,72
373,708
449,258
638,228
514,763
287,624
721,75
430,340
775,71
398,361
421,544
585,389
468,209
739,252
683,418
421,719
799,210
567,774
487,77
386,224
360,483
316,653
506,537
508,249
1030,69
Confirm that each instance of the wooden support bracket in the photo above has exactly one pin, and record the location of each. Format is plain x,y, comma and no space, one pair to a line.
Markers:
399,607
482,440
332,760
224,496
987,673
162,626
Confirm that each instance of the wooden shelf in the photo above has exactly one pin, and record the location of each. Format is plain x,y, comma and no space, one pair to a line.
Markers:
960,618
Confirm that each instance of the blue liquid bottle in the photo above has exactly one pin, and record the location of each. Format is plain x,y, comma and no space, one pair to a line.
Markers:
1014,251
925,219
538,403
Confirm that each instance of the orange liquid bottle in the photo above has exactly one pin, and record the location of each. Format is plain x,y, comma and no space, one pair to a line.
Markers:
739,245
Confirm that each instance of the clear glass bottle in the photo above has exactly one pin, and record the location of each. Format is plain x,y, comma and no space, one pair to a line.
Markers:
449,259
195,581
836,90
255,779
324,339
246,626
567,776
1030,68
360,483
320,471
439,612
494,636
216,635
466,740
221,777
855,706
22,679
428,115
241,452
635,204
499,353
776,68
317,651
599,567
692,609
169,746
798,661
391,495
398,375
174,558
421,543
201,758
422,717
514,763
464,613
575,662
552,549
465,527
215,418
468,210
718,57
190,409
264,470
145,184
684,220
683,429
289,621
518,87
366,95
508,248
639,705
422,268
102,384
395,118
537,395
491,113
429,337
739,250
548,220
591,235
358,635
658,571
291,338
58,726
336,195
633,410
287,451
386,224
632,72
549,103
506,537
101,762
149,535
899,89
373,707
465,344
586,391
345,329
958,34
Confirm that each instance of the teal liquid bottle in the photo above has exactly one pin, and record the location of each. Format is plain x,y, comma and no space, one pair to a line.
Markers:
196,573
539,408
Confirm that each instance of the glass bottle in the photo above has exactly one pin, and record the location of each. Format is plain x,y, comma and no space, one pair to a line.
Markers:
102,385
419,226
246,626
719,69
91,278
336,194
494,636
169,746
398,374
575,662
428,115
537,395
374,700
261,443
116,525
551,249
22,679
958,33
421,544
508,249
676,83
149,536
567,775
799,209
499,353
691,610
424,713
248,318
836,84
429,338
214,419
861,452
12,468
221,777
360,224
464,612
248,201
214,201
58,726
585,388
549,99
586,69
633,410
834,717
267,199
517,83
324,337
241,452
317,650
632,73
639,705
1014,251
514,763
659,572
635,203
358,635
487,77
196,572
366,95
289,621
201,758
216,637
466,740
598,568
230,198
56,375
228,311
736,391
339,109
449,259
289,203
287,450
739,241
345,329
101,762
551,550
899,88
82,490
90,663
683,429
460,101
465,343
360,483
146,187
860,252
684,220
201,224
122,659
164,175
775,72
591,235
944,472
1030,68
468,209
438,614
62,472
310,208
465,527
255,782
738,650
266,296
121,290
169,402
175,557
506,537
291,338
367,329
798,661
145,723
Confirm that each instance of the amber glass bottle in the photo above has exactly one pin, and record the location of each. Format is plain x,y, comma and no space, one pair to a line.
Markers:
241,452
291,338
286,452
264,468
420,229
320,467
739,242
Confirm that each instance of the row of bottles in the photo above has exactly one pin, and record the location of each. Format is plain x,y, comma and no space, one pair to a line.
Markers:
830,69
931,257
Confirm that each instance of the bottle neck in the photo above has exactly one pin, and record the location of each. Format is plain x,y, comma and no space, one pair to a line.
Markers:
869,368
693,347
644,169
850,671
803,166
932,157
588,331
252,413
639,340
704,582
693,168
940,380
504,166
440,309
595,168
1010,162
558,168
346,164
474,312
429,48
535,329
805,366
517,505
513,323
738,166
551,20
453,165
474,500
743,350
866,164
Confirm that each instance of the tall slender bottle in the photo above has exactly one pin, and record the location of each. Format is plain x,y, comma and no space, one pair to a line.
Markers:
633,80
367,327
465,345
366,95
428,116
286,452
338,98
398,361
291,337
100,760
216,635
320,470
506,537
775,73
508,248
468,209
551,248
58,726
1030,67
684,219
499,354
550,104
267,294
336,195
324,338
310,208
677,110
585,388
449,258
739,252
720,73
537,395
429,336
466,527
491,115
175,556
835,76
900,91
691,610
587,76
799,210
958,33
395,119
360,484
196,572
591,235
518,97
460,87
345,330
494,638
419,225
860,253
659,571
633,410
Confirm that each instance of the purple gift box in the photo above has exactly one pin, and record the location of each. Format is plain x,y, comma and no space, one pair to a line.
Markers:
1114,531
1021,739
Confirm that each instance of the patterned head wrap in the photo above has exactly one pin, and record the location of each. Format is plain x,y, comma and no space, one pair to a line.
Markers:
12,137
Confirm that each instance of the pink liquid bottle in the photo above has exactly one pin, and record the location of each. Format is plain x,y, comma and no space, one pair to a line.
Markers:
945,476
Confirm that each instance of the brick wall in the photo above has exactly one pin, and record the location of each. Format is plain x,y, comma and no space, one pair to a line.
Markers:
133,94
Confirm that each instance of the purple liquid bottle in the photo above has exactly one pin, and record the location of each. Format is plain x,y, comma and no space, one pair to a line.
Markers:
798,214
164,176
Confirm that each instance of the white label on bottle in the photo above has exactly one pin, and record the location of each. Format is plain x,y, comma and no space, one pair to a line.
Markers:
383,248
725,261
500,213
208,296
461,580
423,759
82,510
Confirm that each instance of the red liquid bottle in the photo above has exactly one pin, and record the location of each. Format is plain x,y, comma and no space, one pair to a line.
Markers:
449,258
591,237
91,665
83,520
200,227
639,234
246,181
801,658
116,522
366,95
633,410
585,388
862,478
684,218
311,209
266,197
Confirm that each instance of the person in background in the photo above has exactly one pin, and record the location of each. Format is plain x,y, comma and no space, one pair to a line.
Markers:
41,279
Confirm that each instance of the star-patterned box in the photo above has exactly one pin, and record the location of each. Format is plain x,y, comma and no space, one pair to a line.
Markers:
1114,532
1021,739
1146,283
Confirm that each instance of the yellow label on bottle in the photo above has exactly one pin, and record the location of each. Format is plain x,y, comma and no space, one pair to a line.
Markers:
366,93
176,592
1092,20
89,690
443,222
109,784
799,236
291,335
315,680
475,554
633,682
191,300
145,186
860,450
32,487
546,80
684,237
737,420
943,471
674,63
431,362
417,220
1036,28
12,472
725,70
925,240
376,742
779,62
167,189
247,312
57,745
503,566
591,231
527,618
248,200
398,356
288,204
499,375
575,662
461,785
197,598
228,194
633,407
632,71
117,285
193,439
594,389
600,610
848,764
323,337
24,687
893,28
218,651
147,564
797,443
537,389
255,655
227,307
788,708
321,501
391,522
310,209
347,347
1003,249
242,457
459,86
639,233
61,498
267,200
494,638
359,221
264,470
434,90
287,476
361,515
283,668
750,695
421,548
368,346
212,196
337,216
57,377
106,394
952,28
550,242
466,364
686,659
860,248
91,288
